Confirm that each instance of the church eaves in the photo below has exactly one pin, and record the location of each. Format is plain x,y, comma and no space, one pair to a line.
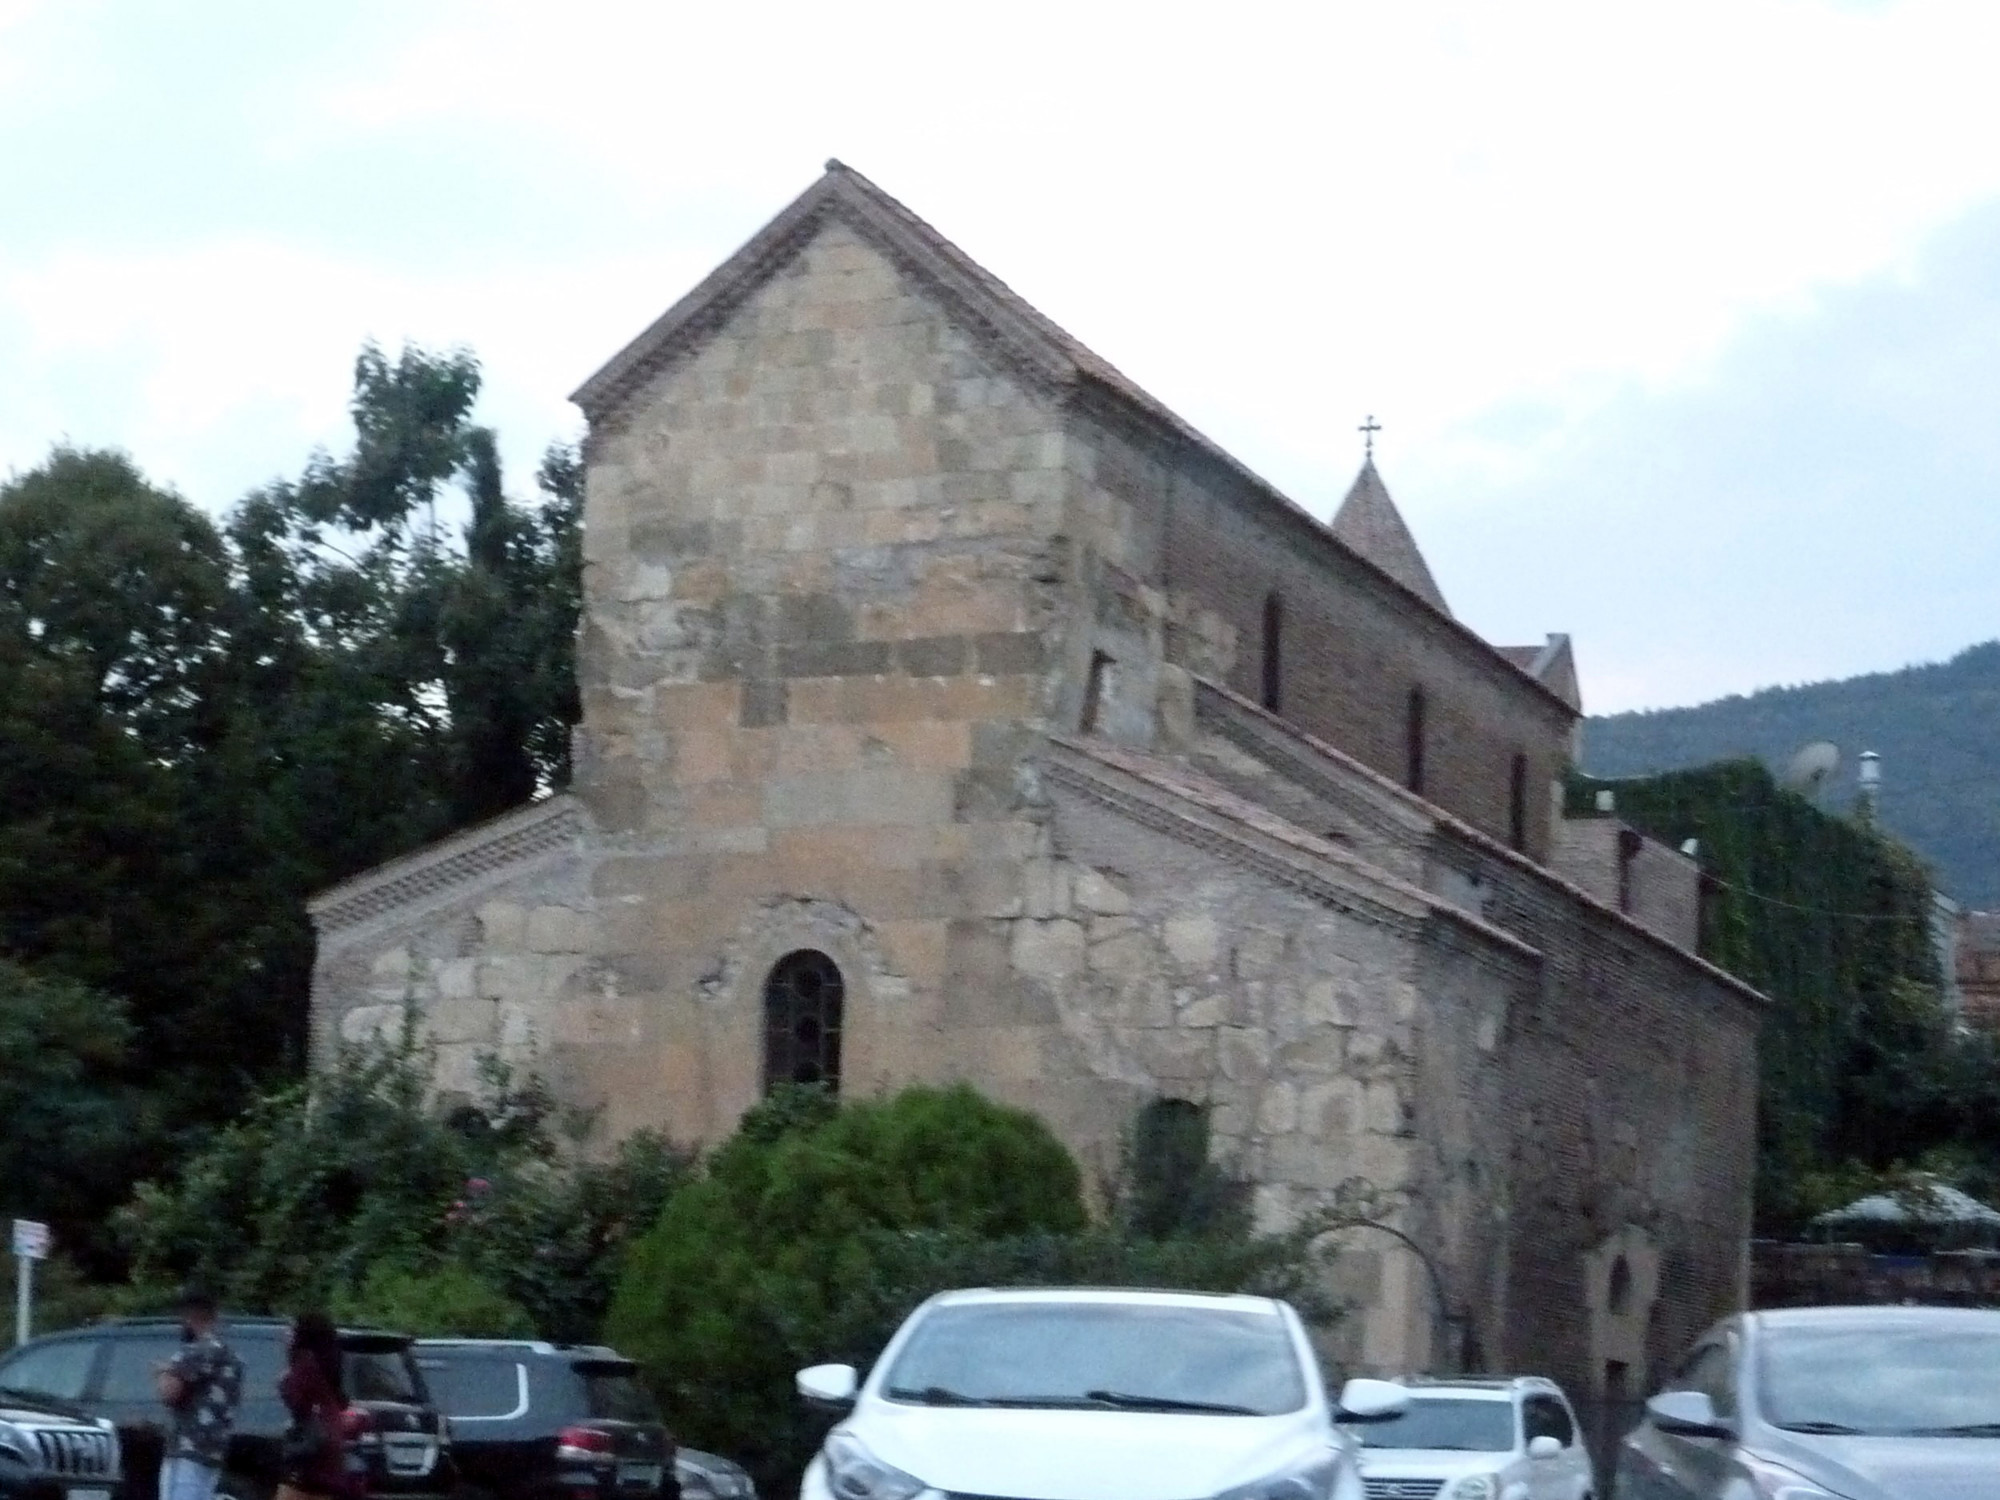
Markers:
1369,523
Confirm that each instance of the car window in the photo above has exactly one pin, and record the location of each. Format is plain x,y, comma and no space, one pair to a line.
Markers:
128,1373
1091,1355
60,1369
613,1392
1914,1379
478,1389
1544,1416
380,1375
1453,1424
1711,1369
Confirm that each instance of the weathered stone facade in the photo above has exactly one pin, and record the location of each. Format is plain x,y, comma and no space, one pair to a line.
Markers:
918,639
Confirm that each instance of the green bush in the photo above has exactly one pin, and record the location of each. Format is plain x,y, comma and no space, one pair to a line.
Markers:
444,1302
817,1229
319,1186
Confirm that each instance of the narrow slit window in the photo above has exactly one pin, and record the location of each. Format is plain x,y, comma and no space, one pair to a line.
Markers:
1094,688
1274,653
1413,742
1517,803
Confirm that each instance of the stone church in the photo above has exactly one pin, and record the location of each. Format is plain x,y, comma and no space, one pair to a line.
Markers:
954,710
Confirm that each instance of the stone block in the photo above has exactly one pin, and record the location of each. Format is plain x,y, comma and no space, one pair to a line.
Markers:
1123,956
1203,1011
1096,892
934,656
1045,888
1326,1000
1194,939
1382,1108
458,979
559,929
503,926
1278,1111
764,702
1259,951
1050,951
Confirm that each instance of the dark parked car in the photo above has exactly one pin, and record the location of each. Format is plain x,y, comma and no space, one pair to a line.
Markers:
538,1421
52,1451
395,1437
1827,1403
708,1476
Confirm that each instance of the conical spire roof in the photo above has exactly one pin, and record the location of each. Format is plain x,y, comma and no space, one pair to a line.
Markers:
1370,524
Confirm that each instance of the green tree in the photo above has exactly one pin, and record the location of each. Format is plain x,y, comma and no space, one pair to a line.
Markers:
70,1122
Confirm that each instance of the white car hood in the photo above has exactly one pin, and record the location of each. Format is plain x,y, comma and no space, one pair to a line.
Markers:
1085,1455
1430,1463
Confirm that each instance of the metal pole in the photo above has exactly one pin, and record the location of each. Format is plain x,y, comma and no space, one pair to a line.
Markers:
24,1297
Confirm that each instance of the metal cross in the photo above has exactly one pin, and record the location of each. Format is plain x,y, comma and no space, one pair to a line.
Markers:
1368,429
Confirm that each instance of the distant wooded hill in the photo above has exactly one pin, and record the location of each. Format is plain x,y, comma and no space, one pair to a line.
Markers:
1937,729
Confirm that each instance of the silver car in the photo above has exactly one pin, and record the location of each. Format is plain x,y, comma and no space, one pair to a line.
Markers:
1827,1403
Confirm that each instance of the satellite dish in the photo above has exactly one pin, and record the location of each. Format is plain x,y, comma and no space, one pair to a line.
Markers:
1812,768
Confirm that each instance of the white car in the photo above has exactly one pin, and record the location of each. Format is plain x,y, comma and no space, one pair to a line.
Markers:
1473,1439
1092,1395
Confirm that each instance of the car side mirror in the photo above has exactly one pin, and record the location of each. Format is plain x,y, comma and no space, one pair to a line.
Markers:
829,1385
1545,1447
1363,1400
1688,1414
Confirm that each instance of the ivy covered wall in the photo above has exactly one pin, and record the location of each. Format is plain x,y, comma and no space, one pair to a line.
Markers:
1831,919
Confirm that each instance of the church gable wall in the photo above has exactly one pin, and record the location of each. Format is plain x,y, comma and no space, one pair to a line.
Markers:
1352,644
821,629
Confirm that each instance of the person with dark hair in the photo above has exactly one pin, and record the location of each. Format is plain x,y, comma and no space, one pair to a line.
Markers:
315,1395
200,1387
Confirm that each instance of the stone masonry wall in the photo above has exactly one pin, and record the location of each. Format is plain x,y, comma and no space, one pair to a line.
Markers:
820,633
1629,1075
1309,1030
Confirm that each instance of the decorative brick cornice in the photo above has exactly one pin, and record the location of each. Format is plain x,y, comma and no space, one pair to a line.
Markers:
421,880
1283,745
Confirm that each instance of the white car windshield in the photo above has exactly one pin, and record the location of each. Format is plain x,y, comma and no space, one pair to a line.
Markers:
1100,1355
1458,1424
1910,1381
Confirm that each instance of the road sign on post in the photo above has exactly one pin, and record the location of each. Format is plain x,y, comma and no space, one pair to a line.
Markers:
31,1243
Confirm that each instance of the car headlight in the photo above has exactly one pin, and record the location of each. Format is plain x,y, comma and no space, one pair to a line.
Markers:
1776,1482
17,1443
1311,1480
853,1473
1473,1487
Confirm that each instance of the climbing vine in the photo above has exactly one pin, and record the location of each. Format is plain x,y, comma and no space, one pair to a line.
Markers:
1832,920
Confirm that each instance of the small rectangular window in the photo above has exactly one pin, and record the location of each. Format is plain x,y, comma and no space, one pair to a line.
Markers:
1413,746
1274,657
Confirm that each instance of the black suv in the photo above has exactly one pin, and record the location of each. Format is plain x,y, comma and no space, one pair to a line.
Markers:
51,1451
535,1421
395,1439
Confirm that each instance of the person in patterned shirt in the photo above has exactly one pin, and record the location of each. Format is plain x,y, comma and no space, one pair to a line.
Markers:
200,1386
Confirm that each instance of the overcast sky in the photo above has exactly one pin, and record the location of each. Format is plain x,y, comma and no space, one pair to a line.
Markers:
1682,321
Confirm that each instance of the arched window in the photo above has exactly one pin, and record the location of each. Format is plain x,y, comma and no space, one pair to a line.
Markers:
1517,803
1413,741
1274,653
802,1012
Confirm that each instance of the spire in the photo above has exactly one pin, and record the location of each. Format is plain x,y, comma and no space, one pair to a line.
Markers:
1369,524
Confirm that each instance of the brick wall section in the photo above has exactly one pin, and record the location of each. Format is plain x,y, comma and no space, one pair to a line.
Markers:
1353,642
1659,887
